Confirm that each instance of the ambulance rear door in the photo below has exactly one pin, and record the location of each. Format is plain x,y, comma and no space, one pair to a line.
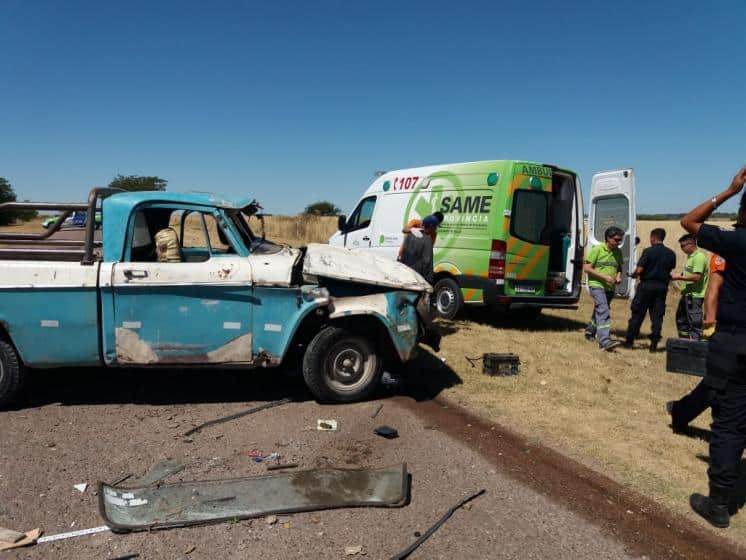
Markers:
612,203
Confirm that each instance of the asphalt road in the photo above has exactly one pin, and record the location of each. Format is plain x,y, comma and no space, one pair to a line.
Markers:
84,426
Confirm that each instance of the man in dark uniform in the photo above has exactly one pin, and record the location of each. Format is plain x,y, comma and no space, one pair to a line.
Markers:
726,356
691,405
654,270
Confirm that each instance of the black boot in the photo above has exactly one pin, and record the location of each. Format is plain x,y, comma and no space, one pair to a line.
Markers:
653,345
714,508
676,425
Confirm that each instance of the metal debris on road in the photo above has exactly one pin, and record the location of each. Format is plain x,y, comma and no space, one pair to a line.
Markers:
326,425
121,479
73,534
158,472
411,548
235,415
174,504
376,411
282,466
386,431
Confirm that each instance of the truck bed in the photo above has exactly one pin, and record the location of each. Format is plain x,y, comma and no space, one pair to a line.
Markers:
51,250
50,310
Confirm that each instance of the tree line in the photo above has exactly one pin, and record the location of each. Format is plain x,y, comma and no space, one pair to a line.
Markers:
670,217
125,182
133,183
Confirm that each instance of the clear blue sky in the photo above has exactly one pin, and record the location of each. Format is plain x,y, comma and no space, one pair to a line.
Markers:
300,101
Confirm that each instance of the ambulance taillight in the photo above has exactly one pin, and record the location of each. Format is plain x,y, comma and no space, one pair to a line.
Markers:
497,260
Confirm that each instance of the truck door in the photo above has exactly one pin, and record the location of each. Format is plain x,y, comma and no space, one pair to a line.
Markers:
194,309
358,232
613,204
528,237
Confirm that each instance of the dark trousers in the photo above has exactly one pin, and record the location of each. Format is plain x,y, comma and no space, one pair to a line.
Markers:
650,299
688,407
726,360
689,317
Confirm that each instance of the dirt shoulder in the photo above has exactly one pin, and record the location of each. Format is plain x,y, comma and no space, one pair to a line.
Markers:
646,527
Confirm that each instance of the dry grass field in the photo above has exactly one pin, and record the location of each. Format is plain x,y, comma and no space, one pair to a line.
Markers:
604,409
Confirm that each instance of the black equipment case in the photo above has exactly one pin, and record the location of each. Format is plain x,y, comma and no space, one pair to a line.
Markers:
686,356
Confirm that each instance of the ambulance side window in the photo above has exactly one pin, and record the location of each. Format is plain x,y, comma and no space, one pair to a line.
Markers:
362,215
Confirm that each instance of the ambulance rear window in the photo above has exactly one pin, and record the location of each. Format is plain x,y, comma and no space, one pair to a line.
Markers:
529,218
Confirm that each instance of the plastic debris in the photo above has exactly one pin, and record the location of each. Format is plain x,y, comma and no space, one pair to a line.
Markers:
326,425
10,536
386,431
81,487
30,537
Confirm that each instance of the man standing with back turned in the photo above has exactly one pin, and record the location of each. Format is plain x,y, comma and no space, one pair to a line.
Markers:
654,271
726,355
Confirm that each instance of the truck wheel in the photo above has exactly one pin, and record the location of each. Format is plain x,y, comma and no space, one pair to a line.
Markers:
10,374
340,366
448,298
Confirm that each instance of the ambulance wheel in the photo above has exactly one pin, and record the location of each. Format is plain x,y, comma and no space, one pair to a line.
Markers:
447,298
340,366
10,374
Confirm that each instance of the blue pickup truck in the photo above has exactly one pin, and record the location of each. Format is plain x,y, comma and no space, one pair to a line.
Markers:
181,280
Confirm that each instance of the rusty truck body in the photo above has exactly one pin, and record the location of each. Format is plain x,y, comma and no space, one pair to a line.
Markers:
226,297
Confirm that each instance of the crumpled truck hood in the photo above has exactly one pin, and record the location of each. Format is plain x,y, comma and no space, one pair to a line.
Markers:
275,269
361,266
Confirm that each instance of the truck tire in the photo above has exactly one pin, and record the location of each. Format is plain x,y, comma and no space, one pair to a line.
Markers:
447,297
10,374
341,366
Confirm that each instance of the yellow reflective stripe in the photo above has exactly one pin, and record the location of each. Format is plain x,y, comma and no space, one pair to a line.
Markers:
542,250
524,252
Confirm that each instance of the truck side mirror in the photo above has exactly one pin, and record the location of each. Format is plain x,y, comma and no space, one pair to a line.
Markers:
341,222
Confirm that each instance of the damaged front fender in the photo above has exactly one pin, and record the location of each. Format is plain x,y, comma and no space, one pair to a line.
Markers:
395,309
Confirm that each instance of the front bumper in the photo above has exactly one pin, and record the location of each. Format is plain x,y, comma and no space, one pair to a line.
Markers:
428,333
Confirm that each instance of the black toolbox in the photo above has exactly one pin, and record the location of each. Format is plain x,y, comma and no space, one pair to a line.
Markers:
686,356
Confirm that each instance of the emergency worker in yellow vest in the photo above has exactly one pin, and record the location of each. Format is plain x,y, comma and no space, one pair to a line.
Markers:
691,304
603,264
